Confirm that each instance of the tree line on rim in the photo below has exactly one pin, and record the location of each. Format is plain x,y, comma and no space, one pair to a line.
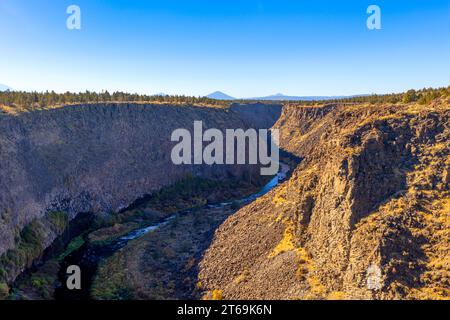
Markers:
50,98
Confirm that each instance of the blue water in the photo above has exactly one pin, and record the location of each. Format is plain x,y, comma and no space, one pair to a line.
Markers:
136,234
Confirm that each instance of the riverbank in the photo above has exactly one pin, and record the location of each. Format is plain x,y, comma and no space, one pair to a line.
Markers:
163,264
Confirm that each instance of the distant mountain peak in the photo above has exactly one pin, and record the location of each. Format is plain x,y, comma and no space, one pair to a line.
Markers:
219,95
4,87
283,97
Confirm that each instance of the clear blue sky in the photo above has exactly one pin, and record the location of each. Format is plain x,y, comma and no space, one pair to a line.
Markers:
244,48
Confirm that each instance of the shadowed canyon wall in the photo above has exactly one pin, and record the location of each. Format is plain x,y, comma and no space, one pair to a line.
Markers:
97,158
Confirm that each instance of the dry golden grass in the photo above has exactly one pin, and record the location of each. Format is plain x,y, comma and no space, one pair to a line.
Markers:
242,277
336,295
217,295
286,243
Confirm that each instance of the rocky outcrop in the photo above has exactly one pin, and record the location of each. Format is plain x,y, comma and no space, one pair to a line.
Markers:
96,158
366,214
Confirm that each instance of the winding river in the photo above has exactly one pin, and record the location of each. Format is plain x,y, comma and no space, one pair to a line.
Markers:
88,257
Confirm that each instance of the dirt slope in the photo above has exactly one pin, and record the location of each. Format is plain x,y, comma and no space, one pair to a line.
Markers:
366,215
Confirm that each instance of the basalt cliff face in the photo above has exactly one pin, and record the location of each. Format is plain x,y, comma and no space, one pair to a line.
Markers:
95,158
365,215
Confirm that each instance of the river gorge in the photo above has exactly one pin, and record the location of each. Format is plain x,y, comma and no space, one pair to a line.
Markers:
94,185
91,254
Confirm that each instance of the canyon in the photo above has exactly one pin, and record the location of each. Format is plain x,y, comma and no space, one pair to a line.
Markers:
96,158
363,214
